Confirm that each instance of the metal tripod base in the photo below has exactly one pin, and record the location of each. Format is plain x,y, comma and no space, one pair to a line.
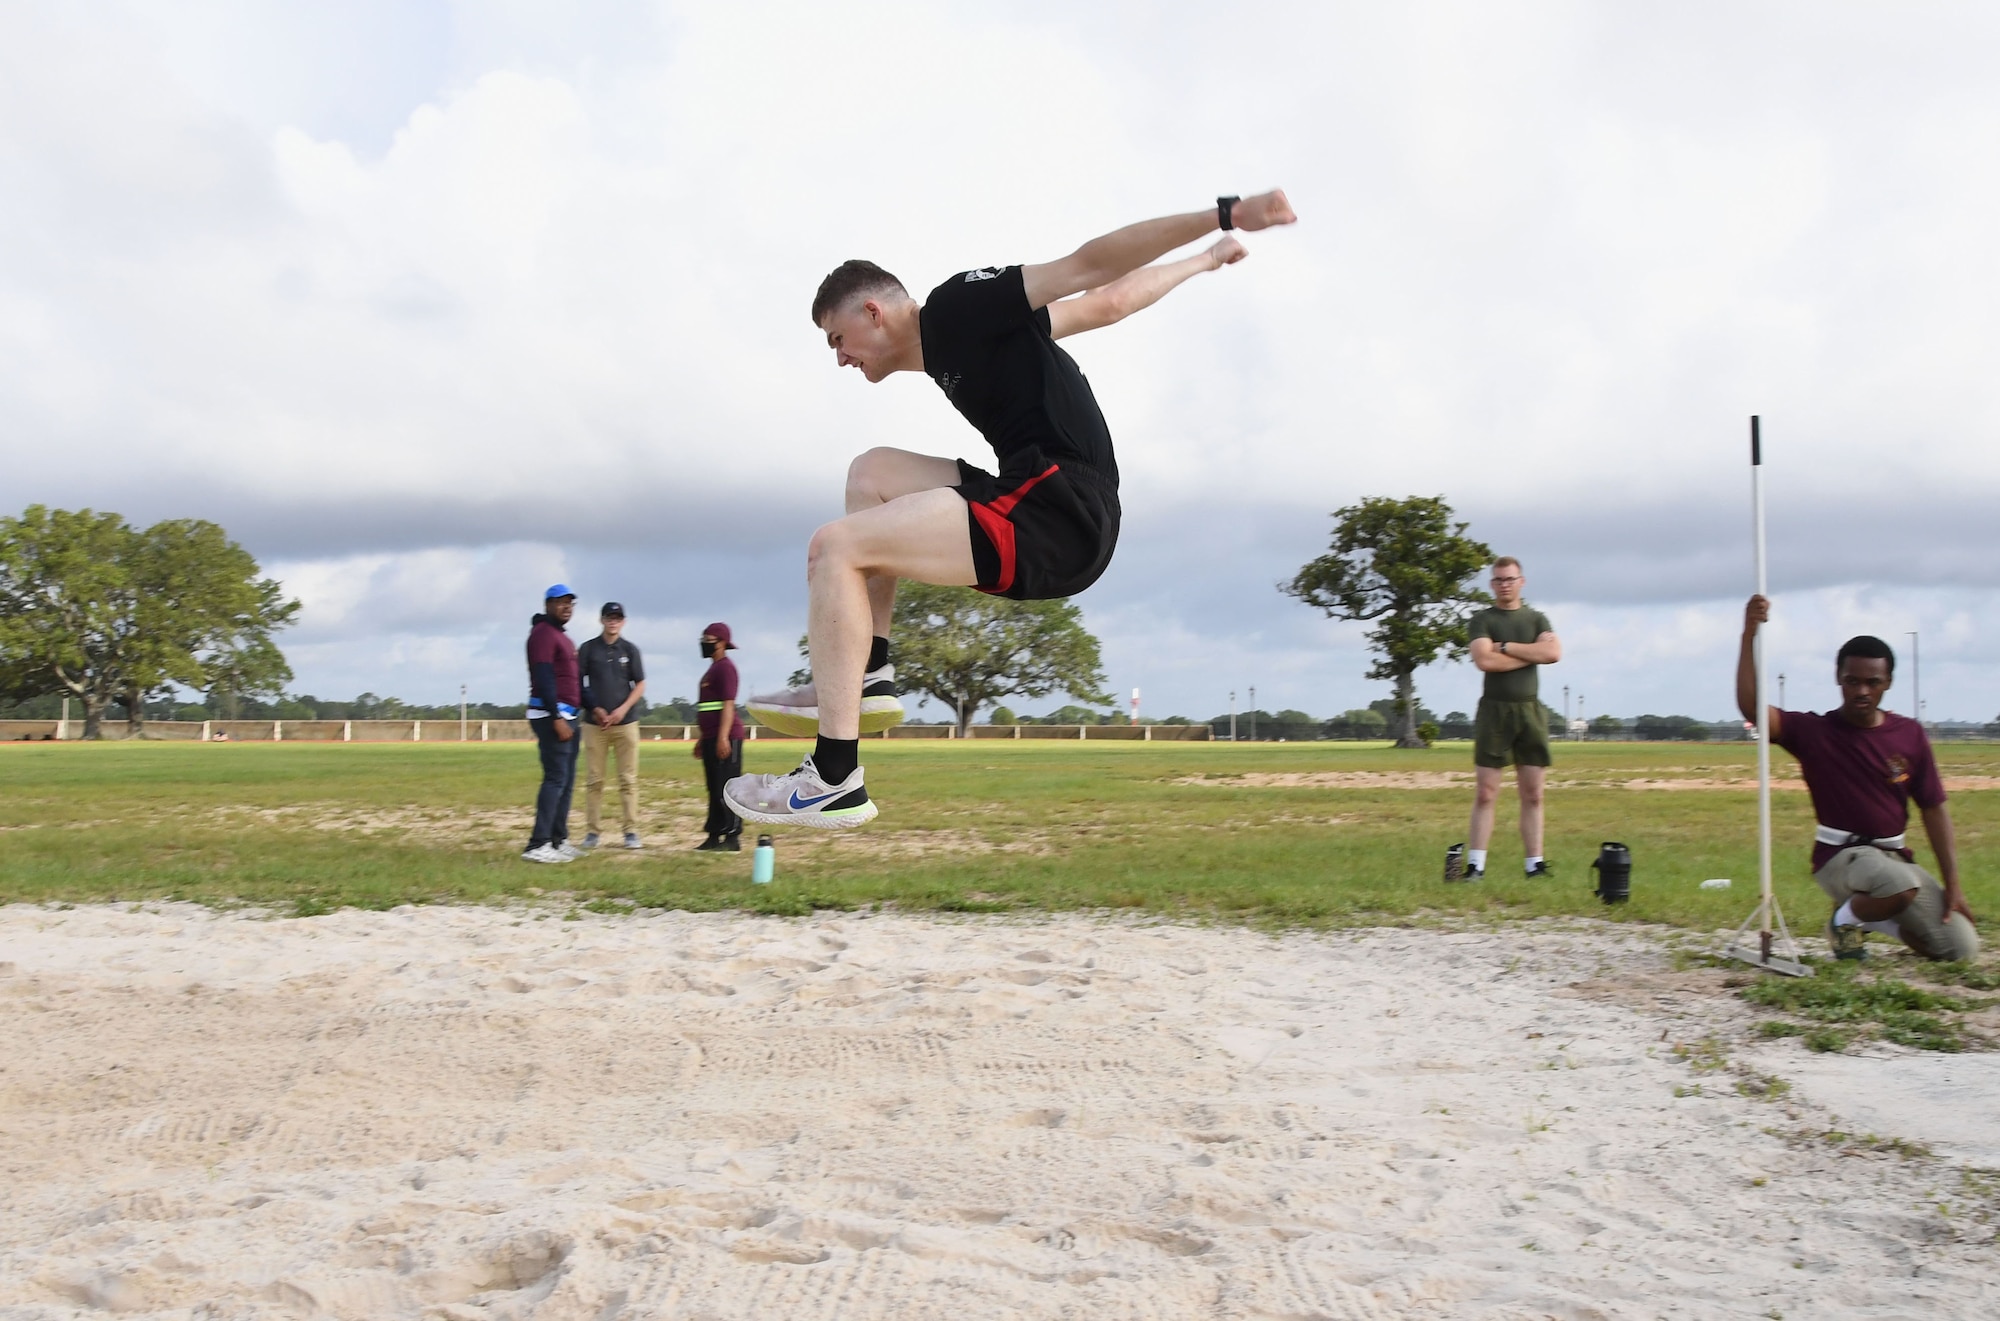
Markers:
1772,951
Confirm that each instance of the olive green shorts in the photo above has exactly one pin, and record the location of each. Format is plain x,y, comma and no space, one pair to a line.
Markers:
1878,873
1510,734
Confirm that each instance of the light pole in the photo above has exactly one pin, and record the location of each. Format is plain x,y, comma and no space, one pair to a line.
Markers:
461,713
1253,713
1232,715
1565,711
1916,678
1579,715
1781,692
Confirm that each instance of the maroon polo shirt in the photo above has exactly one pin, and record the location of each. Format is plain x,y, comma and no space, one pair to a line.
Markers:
1861,780
718,684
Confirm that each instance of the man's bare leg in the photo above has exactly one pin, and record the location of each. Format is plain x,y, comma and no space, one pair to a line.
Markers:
877,477
924,535
1486,792
1530,781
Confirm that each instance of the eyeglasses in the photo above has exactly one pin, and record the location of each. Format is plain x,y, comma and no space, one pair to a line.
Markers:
1501,582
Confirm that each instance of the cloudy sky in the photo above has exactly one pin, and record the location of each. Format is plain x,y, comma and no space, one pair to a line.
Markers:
432,303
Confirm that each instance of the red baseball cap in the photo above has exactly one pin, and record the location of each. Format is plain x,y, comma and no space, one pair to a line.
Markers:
720,632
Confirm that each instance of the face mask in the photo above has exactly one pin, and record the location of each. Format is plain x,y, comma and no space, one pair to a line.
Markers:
709,650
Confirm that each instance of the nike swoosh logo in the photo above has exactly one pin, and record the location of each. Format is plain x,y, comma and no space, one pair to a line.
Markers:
800,804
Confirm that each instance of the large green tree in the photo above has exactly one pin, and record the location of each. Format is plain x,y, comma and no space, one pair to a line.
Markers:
1405,565
968,649
94,608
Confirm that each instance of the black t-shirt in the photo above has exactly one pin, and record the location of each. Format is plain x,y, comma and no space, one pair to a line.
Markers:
992,356
610,671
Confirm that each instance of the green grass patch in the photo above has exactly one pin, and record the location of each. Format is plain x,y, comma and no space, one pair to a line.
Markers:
1849,1002
1240,833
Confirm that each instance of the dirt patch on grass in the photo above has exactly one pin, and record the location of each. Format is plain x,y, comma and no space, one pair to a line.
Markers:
1333,780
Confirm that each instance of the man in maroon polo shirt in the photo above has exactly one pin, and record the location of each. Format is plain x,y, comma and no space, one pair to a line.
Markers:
555,699
1863,767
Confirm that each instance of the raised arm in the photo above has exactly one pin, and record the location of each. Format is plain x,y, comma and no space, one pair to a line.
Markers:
1137,291
1123,251
1756,614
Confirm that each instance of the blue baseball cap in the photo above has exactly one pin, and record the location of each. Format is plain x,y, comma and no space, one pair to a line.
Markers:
557,591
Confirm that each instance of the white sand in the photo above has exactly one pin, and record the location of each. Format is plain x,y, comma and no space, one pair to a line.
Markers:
460,1113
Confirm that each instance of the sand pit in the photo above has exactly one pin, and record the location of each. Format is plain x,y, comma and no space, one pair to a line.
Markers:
468,1113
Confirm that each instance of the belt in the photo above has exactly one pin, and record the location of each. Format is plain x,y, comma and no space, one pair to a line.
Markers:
1841,839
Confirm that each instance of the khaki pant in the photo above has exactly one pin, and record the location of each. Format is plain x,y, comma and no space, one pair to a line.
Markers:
597,741
1880,874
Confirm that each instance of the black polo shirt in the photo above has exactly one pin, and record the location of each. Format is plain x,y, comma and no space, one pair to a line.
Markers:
610,671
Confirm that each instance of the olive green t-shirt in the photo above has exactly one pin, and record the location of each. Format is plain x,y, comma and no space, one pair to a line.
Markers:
1524,623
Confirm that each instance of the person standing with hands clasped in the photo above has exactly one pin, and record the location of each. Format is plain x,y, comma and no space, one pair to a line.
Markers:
614,680
555,699
720,746
1510,640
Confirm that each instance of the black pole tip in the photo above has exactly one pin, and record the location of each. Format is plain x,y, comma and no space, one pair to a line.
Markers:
1756,443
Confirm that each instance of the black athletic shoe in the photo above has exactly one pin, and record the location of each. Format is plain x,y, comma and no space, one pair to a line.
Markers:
1454,863
1475,873
1541,868
720,844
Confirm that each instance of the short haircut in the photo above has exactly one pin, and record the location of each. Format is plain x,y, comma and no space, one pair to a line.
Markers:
851,280
1506,560
1873,648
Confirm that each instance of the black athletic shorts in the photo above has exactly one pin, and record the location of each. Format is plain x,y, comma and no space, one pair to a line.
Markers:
1044,531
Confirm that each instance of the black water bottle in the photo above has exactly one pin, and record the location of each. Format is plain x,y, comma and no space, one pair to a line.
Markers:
1614,873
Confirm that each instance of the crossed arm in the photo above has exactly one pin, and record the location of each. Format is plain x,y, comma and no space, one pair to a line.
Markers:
1110,267
1544,650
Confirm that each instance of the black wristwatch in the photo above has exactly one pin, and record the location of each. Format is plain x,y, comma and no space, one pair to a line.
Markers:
1503,647
1222,207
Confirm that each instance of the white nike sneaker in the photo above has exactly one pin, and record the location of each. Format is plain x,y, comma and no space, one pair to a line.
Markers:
795,711
543,853
801,798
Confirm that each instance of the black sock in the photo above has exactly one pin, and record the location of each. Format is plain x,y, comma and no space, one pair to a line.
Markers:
878,655
836,758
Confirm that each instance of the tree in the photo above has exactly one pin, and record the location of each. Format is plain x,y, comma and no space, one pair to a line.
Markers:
1669,728
969,649
1360,723
205,617
1403,564
92,607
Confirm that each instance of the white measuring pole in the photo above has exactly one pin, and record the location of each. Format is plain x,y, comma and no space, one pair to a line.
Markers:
1763,701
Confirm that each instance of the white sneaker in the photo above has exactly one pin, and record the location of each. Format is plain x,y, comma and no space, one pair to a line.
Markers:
801,798
795,711
543,853
569,851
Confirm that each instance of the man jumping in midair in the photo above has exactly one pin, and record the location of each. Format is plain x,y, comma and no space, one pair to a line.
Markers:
1044,527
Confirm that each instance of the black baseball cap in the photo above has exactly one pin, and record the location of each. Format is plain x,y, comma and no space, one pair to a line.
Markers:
611,610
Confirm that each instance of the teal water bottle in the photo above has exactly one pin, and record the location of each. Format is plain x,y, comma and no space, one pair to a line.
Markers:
764,862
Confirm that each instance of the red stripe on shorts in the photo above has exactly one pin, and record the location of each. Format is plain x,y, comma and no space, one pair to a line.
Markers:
999,529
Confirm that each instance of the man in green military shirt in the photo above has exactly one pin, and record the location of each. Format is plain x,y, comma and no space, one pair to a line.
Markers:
1510,640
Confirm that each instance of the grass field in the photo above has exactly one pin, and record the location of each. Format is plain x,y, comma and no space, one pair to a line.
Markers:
1203,830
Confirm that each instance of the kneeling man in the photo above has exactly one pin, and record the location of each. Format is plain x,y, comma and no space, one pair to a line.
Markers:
1863,767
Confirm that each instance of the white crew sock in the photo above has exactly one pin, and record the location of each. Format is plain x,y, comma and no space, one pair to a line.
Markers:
1529,865
1476,858
1846,918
